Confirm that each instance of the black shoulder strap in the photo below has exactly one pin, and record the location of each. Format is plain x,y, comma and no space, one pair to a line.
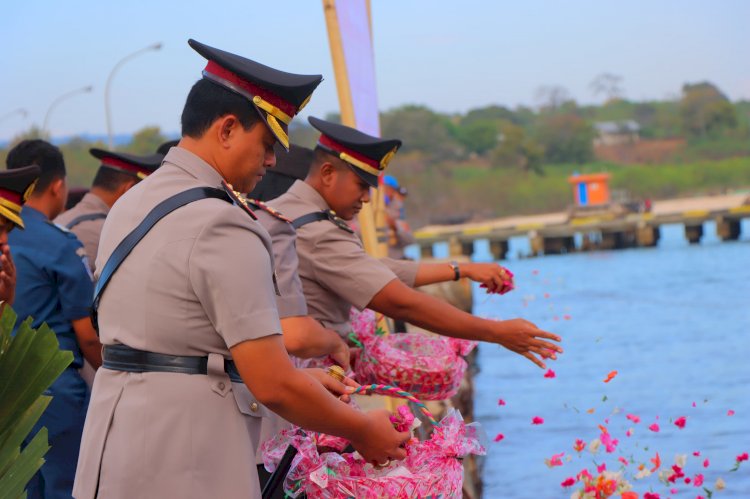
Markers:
85,218
315,216
134,237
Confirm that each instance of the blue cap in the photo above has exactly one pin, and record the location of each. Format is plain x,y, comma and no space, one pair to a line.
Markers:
390,181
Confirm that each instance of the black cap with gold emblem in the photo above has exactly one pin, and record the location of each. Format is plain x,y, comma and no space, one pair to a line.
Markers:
277,96
369,156
16,186
138,166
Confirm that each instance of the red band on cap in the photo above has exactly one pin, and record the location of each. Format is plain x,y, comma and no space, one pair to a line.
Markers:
124,165
216,70
12,196
332,144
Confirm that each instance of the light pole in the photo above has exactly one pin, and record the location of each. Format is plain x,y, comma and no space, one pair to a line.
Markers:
82,90
23,112
153,46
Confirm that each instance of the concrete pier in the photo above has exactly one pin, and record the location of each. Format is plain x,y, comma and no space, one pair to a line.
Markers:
556,233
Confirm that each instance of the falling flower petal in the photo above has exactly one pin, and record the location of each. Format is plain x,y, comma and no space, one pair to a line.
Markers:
546,295
610,376
680,422
591,411
720,484
651,495
568,482
629,494
629,432
535,272
633,418
567,317
742,457
654,427
579,445
550,374
601,468
697,453
693,404
499,437
698,480
537,420
555,460
501,402
706,463
623,460
656,461
594,445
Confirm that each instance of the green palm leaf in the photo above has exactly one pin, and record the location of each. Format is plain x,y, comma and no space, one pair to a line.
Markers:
30,361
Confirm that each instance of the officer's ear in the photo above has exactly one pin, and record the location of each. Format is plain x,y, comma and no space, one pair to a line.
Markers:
328,173
225,128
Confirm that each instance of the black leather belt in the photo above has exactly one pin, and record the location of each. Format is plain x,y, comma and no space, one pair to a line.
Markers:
124,358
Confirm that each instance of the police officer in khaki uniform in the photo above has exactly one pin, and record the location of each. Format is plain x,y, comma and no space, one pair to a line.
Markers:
118,173
191,308
336,272
15,188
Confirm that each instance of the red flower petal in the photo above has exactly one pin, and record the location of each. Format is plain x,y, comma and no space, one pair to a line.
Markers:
654,427
537,420
550,374
499,437
680,422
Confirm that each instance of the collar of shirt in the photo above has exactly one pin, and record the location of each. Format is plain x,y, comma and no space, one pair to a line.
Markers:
194,165
306,192
32,214
93,203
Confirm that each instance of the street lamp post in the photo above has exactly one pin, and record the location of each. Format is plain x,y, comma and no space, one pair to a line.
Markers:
82,90
154,46
23,112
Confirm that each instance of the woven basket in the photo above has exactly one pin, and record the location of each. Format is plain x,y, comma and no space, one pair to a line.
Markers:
432,467
431,367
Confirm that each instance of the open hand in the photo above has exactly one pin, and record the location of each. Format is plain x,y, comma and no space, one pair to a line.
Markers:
524,338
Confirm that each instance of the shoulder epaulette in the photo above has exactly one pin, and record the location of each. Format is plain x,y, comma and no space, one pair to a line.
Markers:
238,199
258,204
338,221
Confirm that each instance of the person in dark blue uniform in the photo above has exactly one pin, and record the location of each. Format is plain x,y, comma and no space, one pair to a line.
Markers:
53,285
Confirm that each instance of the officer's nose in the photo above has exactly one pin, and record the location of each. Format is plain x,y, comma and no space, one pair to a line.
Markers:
270,160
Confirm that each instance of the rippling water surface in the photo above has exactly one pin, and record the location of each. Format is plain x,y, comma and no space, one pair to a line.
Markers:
673,321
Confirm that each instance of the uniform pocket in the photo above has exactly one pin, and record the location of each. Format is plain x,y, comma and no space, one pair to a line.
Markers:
247,403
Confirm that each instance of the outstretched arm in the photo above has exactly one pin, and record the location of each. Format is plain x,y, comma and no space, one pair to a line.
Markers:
398,301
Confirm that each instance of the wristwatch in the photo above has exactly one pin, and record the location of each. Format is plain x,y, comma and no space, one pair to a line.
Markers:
456,270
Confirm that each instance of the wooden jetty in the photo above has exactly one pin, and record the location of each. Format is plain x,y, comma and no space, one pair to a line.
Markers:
555,233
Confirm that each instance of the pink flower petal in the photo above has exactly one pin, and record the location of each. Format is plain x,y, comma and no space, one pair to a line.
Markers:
567,317
654,427
706,463
698,480
537,420
680,422
730,412
550,374
601,468
501,402
499,437
697,453
633,418
568,482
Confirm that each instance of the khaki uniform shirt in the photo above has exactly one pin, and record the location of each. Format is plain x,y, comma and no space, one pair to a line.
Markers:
335,270
290,301
198,284
89,231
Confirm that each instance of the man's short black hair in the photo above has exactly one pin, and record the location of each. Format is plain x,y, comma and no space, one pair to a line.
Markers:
207,102
41,153
110,179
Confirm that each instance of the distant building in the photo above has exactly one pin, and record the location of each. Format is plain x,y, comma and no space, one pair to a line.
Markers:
610,133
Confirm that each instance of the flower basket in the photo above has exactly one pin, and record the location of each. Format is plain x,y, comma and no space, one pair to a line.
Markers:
432,468
430,367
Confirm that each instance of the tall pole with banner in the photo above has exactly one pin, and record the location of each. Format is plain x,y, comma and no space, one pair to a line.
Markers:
350,37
